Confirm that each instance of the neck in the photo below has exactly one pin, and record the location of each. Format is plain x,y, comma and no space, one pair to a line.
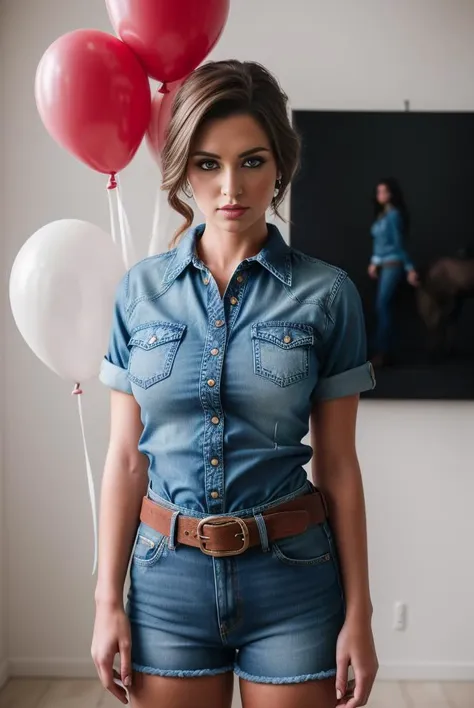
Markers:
223,250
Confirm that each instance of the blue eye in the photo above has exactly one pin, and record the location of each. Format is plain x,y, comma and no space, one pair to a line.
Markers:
204,165
257,161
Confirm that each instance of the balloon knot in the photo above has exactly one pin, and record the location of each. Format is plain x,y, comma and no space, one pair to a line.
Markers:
77,390
163,88
112,181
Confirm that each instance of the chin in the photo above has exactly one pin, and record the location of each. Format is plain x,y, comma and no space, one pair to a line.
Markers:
234,225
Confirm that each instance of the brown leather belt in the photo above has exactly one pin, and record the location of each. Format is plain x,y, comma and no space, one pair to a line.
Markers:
227,535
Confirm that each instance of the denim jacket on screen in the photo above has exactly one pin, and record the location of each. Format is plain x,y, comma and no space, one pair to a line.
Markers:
387,234
226,385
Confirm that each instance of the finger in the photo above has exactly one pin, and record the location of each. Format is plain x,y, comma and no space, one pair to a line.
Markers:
349,694
361,694
108,677
125,664
341,677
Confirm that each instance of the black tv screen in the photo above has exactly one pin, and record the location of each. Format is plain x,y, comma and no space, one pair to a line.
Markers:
345,155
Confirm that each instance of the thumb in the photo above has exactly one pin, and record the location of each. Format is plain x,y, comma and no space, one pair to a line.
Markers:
341,677
126,664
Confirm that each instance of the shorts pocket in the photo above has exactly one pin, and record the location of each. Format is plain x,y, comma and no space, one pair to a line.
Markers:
153,349
335,560
149,546
308,548
281,350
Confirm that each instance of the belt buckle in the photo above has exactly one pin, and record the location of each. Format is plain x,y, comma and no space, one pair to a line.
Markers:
222,521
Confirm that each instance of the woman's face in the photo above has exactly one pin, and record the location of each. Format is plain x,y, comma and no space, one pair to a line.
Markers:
383,194
232,165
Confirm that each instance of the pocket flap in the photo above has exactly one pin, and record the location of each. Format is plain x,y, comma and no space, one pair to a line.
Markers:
153,334
286,335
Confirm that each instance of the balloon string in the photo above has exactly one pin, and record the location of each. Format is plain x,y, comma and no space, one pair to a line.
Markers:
113,223
125,231
78,392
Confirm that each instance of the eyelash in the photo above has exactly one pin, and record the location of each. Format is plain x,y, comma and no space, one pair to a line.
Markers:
260,161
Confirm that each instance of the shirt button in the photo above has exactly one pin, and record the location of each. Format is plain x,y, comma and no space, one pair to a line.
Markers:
233,301
219,323
287,339
206,281
240,278
214,462
214,352
211,382
215,495
152,340
214,419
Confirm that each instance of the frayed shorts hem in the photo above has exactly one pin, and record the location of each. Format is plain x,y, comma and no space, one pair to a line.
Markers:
181,673
284,679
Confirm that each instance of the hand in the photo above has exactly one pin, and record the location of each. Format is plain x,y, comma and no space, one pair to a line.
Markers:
111,635
413,278
372,271
355,646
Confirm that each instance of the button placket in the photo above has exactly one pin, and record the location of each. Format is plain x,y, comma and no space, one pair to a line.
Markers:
211,373
221,312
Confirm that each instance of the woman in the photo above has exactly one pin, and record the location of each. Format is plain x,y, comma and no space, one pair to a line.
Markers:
389,261
221,351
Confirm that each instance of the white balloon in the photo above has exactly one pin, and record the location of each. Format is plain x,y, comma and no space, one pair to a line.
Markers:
62,290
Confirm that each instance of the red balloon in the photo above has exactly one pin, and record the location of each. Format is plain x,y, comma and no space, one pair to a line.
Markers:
94,99
170,37
161,106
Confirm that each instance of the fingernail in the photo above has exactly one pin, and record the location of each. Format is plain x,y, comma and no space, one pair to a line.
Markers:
338,694
127,681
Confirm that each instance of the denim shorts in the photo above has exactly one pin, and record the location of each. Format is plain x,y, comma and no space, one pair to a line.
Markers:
271,614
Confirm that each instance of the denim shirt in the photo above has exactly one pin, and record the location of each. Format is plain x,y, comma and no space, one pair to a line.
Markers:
387,233
226,384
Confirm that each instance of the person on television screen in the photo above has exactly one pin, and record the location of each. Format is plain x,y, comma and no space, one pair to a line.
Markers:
389,261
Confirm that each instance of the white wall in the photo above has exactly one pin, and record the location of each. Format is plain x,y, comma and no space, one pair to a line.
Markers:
3,576
416,456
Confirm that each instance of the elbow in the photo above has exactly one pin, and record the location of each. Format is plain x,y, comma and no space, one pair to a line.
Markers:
129,461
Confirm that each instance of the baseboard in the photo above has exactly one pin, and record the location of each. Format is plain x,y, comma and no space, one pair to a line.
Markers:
426,672
84,668
4,673
53,668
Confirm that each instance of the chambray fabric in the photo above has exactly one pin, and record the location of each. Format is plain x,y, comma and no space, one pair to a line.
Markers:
388,240
226,384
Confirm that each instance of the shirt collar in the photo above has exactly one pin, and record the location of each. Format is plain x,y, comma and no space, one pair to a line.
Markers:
275,255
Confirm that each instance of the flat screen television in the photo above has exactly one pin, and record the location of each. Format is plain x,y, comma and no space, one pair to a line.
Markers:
431,155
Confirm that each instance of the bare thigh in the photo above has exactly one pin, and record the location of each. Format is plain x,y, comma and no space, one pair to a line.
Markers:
149,691
310,694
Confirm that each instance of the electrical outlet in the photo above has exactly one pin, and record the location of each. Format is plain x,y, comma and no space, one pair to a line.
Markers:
400,616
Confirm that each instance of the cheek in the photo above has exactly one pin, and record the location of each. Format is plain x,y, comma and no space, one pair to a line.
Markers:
260,186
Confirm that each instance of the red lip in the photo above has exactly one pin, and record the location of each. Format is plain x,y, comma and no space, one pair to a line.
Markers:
233,207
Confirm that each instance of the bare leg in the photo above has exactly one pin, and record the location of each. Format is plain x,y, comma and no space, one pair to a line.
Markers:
310,694
150,691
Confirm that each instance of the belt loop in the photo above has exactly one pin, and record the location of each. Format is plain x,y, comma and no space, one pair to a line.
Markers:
262,530
173,528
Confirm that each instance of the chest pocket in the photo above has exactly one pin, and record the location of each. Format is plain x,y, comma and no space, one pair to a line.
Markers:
153,350
281,351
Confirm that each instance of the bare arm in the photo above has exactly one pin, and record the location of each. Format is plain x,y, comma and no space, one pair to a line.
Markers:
335,469
124,483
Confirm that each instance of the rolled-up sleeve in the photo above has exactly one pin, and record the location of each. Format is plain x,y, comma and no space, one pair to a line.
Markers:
344,369
113,370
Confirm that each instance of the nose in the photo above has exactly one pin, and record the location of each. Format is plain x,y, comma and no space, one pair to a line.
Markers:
231,184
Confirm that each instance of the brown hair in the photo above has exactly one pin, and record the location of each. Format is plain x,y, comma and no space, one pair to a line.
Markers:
217,90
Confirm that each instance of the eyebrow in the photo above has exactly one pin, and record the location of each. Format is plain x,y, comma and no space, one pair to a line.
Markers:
203,153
